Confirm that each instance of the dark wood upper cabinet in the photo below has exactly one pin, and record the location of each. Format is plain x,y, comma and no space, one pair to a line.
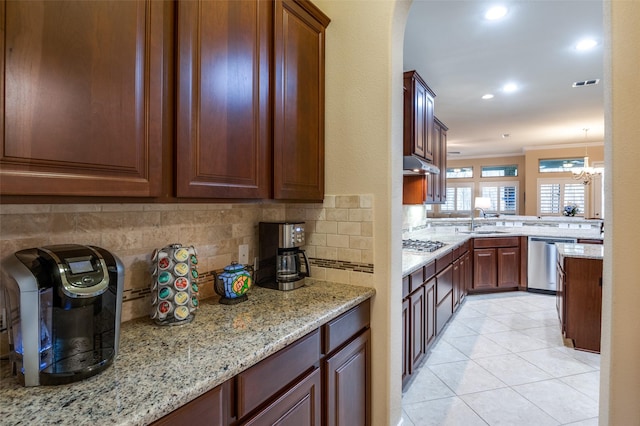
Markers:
83,111
298,134
418,116
223,105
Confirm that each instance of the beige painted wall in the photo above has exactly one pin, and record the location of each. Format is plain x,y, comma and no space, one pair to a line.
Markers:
363,129
596,155
363,137
478,163
620,366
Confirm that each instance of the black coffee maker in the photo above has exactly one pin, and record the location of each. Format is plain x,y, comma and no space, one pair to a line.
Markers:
63,307
282,264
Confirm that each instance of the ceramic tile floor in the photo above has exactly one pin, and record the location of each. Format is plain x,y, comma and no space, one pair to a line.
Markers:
502,361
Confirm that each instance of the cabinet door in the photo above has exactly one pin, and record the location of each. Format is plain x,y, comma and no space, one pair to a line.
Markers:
223,111
298,145
436,189
84,105
442,164
484,268
418,116
560,295
457,283
406,341
508,267
418,318
211,409
348,384
430,312
298,406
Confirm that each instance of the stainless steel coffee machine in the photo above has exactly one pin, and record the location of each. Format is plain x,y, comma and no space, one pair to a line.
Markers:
63,306
282,264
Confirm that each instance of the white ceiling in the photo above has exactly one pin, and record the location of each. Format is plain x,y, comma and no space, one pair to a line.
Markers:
462,56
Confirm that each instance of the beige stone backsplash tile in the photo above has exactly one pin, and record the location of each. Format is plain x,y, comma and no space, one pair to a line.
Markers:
349,228
360,215
347,201
318,273
360,278
337,275
63,223
76,208
367,256
311,251
329,201
338,214
349,255
317,239
20,209
337,240
326,226
16,226
273,214
120,241
239,230
364,243
128,207
366,201
9,246
326,253
366,229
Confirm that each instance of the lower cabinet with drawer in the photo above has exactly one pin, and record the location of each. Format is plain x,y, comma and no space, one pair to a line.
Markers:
322,378
496,263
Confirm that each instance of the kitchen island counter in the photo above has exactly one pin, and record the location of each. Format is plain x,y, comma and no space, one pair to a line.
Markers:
160,368
582,251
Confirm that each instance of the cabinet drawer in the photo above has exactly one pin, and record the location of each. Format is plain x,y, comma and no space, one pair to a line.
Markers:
260,382
416,279
429,270
339,330
444,284
443,261
405,286
444,311
496,242
300,405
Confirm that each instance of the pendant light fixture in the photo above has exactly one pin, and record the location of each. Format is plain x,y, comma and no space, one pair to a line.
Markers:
585,173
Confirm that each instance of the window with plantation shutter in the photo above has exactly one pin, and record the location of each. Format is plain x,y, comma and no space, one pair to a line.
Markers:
503,196
555,194
458,198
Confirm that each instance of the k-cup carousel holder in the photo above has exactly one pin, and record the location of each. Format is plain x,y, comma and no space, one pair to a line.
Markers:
174,287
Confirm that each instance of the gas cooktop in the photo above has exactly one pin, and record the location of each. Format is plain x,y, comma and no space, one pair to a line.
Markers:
422,245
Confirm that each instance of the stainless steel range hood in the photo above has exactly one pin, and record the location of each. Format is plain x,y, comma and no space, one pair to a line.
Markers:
413,165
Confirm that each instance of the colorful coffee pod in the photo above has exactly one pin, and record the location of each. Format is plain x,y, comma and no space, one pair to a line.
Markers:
165,293
164,277
181,298
181,269
181,255
164,263
194,301
194,287
181,313
164,308
181,283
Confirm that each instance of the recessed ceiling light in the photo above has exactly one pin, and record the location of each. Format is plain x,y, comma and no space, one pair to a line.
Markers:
586,44
487,96
495,13
509,87
505,135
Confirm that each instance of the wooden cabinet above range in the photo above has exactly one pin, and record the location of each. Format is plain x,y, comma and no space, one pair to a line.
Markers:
424,137
418,116
90,108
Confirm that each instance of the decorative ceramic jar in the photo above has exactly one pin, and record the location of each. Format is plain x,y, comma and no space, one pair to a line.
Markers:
174,289
233,284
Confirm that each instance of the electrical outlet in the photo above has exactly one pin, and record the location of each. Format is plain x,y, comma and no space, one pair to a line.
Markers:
243,254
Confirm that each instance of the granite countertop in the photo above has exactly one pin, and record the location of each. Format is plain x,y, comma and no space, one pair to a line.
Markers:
453,238
159,369
582,251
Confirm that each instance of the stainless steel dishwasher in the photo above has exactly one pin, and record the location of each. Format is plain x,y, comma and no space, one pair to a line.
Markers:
542,263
